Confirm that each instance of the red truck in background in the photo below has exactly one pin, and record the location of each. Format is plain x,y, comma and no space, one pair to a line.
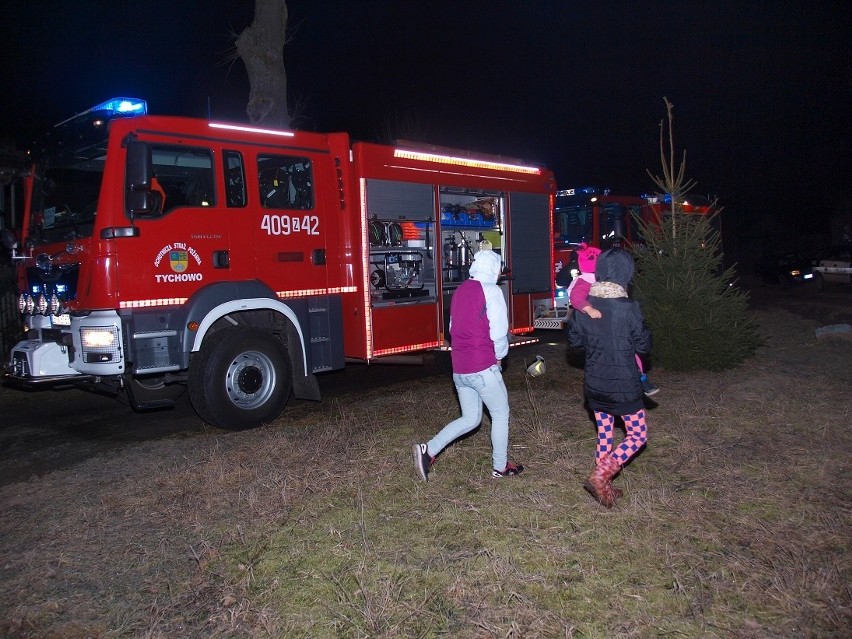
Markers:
160,254
598,218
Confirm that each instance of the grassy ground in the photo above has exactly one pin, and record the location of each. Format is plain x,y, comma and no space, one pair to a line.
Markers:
735,520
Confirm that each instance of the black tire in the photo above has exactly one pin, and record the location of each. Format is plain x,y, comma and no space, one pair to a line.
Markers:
152,392
444,360
819,282
240,379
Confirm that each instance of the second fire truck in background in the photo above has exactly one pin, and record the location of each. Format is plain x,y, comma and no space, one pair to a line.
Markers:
598,218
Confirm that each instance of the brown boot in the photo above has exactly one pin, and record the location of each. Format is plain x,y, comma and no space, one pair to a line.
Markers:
599,483
617,493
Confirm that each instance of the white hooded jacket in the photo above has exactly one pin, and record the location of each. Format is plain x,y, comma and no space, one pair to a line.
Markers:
486,269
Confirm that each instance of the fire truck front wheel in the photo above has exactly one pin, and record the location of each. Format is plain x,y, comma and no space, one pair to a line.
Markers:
240,379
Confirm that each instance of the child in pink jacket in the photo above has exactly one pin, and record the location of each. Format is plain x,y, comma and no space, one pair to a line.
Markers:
578,296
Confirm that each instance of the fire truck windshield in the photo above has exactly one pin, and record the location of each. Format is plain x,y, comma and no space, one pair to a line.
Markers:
65,197
575,223
572,224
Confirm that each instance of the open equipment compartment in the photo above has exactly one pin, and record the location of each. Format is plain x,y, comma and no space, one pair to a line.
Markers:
471,219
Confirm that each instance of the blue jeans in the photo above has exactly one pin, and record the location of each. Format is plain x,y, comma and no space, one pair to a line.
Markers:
474,389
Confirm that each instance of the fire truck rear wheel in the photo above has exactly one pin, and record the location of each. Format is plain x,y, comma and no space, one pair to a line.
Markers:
240,379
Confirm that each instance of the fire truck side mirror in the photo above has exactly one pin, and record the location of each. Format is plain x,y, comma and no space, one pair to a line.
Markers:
138,198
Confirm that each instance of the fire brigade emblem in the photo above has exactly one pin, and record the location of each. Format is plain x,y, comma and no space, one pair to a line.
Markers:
178,260
179,255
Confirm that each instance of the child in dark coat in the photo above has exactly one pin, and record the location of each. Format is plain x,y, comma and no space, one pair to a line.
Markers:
611,385
578,297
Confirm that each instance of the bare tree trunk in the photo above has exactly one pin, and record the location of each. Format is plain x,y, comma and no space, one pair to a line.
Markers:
261,47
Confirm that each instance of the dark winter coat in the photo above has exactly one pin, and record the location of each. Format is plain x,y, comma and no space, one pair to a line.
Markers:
611,343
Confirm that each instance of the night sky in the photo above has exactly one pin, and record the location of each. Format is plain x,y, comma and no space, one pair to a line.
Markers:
762,90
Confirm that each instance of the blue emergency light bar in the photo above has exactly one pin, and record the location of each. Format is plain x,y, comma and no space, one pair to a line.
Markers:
115,107
123,106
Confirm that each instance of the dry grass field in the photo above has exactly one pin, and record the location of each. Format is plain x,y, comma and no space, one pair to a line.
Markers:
735,520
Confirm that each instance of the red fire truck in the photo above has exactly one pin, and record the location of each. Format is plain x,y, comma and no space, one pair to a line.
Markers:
598,218
164,253
585,215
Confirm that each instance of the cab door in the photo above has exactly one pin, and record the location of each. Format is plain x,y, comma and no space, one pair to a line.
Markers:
290,219
179,238
240,261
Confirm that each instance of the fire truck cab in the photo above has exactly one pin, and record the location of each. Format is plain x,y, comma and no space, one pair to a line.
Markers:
160,254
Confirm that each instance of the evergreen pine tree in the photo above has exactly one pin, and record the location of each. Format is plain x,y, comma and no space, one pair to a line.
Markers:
699,321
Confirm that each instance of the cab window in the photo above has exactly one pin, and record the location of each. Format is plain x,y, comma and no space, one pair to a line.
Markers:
183,176
286,182
235,179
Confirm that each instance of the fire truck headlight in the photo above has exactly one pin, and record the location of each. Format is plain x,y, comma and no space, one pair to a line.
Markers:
55,305
97,337
22,303
41,304
29,305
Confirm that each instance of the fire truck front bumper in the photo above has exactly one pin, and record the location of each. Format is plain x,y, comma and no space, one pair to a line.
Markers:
83,349
37,363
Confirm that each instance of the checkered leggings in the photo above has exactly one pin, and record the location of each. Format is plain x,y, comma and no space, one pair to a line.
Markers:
637,435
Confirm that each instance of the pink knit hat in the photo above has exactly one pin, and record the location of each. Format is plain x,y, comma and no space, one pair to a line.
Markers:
587,258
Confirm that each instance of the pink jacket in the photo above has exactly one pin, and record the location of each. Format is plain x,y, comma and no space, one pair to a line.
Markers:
578,292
